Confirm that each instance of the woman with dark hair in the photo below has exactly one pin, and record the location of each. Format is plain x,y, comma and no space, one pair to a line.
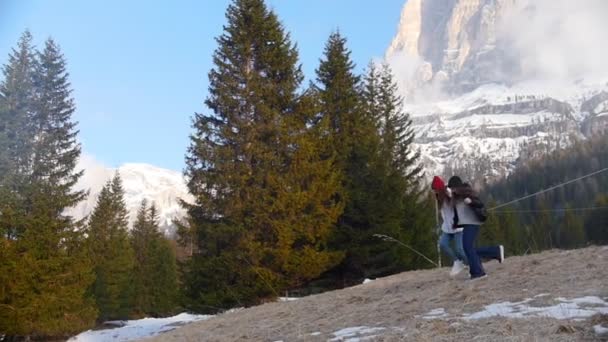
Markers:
449,233
469,216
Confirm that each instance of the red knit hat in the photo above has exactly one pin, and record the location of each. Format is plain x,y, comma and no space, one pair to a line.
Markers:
437,184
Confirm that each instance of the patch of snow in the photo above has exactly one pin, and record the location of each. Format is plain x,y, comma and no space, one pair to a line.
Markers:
567,309
600,330
584,300
316,333
355,334
367,281
136,329
435,314
287,299
542,295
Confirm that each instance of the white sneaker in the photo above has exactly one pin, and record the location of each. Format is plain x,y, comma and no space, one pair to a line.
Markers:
501,258
457,268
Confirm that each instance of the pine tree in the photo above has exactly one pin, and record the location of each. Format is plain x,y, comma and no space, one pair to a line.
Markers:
490,234
398,208
111,252
165,283
264,191
143,240
596,223
164,287
51,272
155,271
514,233
405,171
541,227
16,135
572,232
355,142
16,94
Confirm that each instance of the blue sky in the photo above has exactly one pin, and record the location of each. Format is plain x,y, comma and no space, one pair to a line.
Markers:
139,68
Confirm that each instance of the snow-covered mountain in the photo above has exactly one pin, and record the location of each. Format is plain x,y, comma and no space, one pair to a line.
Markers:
492,82
140,181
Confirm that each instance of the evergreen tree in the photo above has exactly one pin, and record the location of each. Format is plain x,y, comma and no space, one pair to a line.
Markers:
541,227
404,172
51,271
111,253
490,234
143,240
164,266
596,223
16,94
165,282
155,272
355,142
16,101
264,190
514,233
401,210
572,232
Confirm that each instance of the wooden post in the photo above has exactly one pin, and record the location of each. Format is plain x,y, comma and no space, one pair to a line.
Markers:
438,231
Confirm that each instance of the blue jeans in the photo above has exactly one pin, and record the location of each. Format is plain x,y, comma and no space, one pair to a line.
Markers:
473,254
458,252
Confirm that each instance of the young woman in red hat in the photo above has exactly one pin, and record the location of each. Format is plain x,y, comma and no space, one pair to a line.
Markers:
450,234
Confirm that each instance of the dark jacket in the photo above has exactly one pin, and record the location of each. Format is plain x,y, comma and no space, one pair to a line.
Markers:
465,212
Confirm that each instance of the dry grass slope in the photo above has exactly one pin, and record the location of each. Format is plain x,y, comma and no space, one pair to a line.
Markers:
397,303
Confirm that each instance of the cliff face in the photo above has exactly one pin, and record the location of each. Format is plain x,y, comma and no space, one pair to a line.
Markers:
473,82
456,42
485,134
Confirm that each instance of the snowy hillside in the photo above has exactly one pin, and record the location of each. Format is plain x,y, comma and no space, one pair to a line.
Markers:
485,132
550,296
140,181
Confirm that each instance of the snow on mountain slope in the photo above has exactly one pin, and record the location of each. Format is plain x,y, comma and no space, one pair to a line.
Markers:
485,133
140,181
487,87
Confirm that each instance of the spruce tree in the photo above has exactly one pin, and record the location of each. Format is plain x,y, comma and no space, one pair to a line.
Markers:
490,233
355,142
514,234
111,252
143,240
155,271
166,288
405,172
264,191
164,269
16,97
541,227
396,205
572,232
52,271
16,135
596,222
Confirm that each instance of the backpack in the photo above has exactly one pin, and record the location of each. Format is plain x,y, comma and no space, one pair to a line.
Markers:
480,211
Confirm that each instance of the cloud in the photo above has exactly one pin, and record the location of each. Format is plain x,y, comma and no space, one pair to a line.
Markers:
95,173
559,39
551,41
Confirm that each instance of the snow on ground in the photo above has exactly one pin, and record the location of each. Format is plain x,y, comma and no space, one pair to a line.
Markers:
355,334
436,313
287,299
577,308
136,329
600,330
